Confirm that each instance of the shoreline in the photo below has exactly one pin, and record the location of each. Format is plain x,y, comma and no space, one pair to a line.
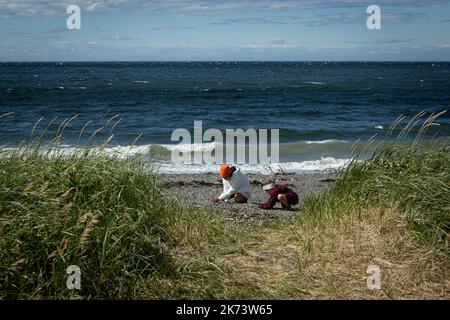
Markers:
197,190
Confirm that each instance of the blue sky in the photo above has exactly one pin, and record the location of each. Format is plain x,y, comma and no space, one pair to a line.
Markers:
35,30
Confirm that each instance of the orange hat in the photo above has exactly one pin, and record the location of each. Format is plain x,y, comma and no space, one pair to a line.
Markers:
225,170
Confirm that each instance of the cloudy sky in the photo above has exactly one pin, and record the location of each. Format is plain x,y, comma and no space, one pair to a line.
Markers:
412,30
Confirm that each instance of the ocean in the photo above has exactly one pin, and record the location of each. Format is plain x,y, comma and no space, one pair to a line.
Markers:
320,108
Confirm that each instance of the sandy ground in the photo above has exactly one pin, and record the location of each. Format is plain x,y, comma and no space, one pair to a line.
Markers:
198,190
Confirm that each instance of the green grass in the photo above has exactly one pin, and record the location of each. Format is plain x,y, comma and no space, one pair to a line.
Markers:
99,213
107,216
412,178
111,218
416,182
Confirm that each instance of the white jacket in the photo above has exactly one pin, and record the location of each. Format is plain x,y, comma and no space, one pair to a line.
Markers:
237,184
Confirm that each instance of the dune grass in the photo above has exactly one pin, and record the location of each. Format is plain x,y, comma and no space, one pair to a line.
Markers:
412,177
414,182
111,218
96,212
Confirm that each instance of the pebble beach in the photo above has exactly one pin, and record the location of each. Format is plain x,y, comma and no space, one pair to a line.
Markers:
198,190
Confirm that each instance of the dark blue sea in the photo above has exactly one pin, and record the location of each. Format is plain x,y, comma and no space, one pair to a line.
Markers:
321,108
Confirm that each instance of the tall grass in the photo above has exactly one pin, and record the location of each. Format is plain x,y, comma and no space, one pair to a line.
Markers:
108,216
413,176
99,213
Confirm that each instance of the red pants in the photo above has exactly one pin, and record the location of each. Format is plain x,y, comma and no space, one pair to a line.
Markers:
292,197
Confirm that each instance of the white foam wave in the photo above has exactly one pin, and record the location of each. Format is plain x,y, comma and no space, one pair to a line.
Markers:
148,149
314,82
324,164
187,147
168,167
324,141
122,152
127,151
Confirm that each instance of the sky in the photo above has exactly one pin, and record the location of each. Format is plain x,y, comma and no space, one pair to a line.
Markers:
202,30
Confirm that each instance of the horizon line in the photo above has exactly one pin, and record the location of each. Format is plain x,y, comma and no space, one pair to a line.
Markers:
201,61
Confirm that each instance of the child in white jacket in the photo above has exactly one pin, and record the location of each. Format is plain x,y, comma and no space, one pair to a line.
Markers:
235,185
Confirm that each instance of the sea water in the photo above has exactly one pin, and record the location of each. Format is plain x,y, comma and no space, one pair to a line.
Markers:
320,108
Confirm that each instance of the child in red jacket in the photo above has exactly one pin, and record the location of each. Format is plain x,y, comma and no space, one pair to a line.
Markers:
279,193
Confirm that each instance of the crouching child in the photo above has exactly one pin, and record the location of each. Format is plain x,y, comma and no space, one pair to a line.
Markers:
235,185
279,193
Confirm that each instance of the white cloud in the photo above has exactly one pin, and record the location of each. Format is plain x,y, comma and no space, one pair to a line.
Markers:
325,19
92,7
265,50
173,28
10,8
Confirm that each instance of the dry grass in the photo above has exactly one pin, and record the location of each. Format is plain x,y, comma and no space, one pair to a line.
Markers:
331,261
304,260
334,261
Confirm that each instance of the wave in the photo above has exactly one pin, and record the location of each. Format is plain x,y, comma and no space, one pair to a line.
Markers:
323,164
194,147
325,141
124,151
209,146
318,83
146,153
